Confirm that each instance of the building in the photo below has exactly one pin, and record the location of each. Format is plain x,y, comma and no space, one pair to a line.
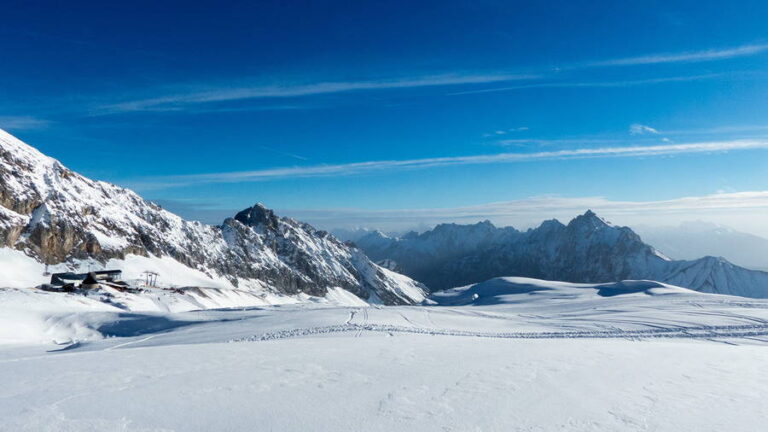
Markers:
68,281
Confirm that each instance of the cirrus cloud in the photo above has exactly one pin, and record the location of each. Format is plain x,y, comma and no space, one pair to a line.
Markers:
388,165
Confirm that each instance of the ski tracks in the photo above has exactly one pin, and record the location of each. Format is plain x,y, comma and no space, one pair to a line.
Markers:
364,323
703,332
351,317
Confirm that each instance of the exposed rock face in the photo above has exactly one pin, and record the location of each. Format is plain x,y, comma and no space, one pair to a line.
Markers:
258,216
588,250
56,215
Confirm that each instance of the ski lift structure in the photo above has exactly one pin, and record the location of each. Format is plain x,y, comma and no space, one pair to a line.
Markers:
150,278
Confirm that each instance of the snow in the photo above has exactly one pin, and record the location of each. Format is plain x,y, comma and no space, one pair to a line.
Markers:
44,317
19,271
507,354
170,272
505,290
344,297
404,285
385,384
109,242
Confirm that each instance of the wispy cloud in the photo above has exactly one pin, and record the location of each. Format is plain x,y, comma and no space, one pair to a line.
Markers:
502,132
685,57
15,123
736,132
382,165
282,153
638,129
595,84
181,100
734,129
177,101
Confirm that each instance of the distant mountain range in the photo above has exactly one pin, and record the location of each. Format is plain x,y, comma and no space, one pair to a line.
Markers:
694,239
588,249
52,215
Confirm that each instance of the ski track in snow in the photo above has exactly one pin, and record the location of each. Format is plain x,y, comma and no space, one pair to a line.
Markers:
360,327
129,343
351,317
703,332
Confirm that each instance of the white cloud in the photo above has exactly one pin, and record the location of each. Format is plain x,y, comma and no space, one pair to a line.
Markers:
388,165
177,101
505,131
22,123
685,57
638,129
595,84
561,141
182,100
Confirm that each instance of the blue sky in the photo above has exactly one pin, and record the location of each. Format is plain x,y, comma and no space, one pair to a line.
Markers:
341,109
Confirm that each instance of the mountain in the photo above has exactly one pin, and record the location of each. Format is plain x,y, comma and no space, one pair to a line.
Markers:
58,217
587,250
694,239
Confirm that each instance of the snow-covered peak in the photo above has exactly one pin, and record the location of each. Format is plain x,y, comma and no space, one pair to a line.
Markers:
549,225
589,221
57,216
22,151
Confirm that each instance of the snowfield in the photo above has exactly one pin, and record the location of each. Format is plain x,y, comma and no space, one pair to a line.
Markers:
506,354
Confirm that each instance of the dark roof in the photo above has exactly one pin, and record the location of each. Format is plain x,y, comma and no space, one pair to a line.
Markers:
107,272
69,276
61,278
90,279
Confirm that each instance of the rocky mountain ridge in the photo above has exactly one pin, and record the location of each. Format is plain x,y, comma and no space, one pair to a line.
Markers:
59,217
588,250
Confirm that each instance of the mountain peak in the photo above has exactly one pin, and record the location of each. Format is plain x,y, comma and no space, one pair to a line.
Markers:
550,224
20,149
589,219
257,215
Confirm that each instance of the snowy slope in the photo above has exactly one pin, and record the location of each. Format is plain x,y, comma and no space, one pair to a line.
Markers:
509,307
58,217
506,354
588,249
